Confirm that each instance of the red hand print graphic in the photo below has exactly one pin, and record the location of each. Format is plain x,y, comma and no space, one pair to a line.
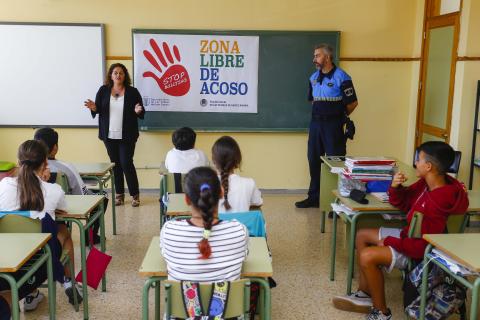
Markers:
175,80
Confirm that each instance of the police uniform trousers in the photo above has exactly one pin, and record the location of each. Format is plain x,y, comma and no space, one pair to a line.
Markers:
325,137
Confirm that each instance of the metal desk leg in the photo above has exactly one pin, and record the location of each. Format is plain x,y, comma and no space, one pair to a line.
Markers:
322,221
351,252
333,250
423,291
474,306
103,246
51,284
146,288
83,260
266,310
114,215
14,292
157,300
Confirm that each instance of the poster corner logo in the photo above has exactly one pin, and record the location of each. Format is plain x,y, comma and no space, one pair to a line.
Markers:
204,102
175,80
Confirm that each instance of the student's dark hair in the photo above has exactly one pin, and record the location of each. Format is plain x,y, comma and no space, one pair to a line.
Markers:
48,136
31,156
439,153
184,138
226,156
202,187
108,78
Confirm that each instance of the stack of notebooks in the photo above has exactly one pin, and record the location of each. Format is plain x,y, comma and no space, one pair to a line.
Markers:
369,168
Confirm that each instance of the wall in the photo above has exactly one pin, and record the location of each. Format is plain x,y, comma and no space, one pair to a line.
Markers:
370,28
466,77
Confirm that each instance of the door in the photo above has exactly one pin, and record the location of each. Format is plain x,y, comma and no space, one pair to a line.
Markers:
437,78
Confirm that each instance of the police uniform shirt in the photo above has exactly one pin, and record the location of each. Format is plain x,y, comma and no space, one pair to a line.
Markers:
331,92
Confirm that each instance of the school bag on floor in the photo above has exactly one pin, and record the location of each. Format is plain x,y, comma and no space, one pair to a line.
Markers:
444,295
193,303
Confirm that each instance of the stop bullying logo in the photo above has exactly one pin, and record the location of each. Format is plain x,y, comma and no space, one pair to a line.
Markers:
174,79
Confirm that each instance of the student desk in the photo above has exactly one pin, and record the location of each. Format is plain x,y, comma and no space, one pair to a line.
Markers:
79,211
329,182
374,207
101,173
17,249
463,248
257,267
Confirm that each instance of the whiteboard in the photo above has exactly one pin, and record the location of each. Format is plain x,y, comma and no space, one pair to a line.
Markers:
47,71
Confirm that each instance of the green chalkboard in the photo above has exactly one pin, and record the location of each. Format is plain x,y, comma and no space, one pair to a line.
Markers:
285,64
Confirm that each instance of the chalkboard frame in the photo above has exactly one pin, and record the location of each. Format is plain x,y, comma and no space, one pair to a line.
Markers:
168,128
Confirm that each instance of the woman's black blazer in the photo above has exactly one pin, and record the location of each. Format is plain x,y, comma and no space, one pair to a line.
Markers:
130,123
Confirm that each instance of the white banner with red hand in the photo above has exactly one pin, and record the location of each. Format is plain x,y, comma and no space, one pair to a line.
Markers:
196,73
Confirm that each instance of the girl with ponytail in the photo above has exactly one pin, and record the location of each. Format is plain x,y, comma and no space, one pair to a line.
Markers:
28,192
203,248
240,193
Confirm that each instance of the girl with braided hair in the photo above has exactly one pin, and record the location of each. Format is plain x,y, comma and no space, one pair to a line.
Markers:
240,193
203,248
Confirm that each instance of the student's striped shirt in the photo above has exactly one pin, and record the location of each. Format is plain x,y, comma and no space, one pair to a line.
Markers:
179,246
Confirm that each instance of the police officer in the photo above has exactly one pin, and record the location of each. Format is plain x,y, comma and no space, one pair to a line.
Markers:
333,98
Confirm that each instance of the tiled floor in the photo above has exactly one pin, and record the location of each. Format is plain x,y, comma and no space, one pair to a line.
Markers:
301,259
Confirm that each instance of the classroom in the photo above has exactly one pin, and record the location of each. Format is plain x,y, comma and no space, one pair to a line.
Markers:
388,49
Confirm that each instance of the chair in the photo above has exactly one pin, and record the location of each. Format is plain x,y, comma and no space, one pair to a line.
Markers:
238,303
17,222
453,168
169,183
61,179
455,224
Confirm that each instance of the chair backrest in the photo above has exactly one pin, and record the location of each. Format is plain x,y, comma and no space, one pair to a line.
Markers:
14,223
253,220
238,303
62,180
171,183
455,224
453,168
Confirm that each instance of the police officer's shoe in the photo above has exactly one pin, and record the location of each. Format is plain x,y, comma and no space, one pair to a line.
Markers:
307,203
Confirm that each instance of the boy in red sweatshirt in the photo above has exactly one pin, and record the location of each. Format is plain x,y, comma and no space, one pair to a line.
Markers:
436,195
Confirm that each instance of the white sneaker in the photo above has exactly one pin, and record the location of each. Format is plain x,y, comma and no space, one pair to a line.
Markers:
32,300
355,302
379,315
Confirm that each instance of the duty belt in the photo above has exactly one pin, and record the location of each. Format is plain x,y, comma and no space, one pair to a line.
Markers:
327,98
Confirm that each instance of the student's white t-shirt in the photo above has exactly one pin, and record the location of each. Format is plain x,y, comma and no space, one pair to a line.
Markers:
242,193
116,118
53,196
182,161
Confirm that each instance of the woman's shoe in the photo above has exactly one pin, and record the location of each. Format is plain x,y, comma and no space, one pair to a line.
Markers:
136,200
119,199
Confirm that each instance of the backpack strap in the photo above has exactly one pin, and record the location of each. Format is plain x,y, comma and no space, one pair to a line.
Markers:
191,299
218,300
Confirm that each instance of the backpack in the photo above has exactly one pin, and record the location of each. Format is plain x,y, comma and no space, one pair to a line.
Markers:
193,304
444,295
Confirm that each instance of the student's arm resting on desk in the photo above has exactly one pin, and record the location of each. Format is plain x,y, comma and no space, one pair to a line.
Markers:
403,197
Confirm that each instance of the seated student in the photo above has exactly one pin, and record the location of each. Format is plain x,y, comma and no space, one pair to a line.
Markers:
184,156
203,248
27,192
75,182
239,193
436,195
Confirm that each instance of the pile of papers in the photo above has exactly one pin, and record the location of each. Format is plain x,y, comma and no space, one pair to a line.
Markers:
382,196
369,168
451,264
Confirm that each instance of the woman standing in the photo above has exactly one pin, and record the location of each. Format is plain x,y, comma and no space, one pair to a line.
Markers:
118,106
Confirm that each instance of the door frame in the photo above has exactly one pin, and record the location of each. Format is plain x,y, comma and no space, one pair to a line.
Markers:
431,22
